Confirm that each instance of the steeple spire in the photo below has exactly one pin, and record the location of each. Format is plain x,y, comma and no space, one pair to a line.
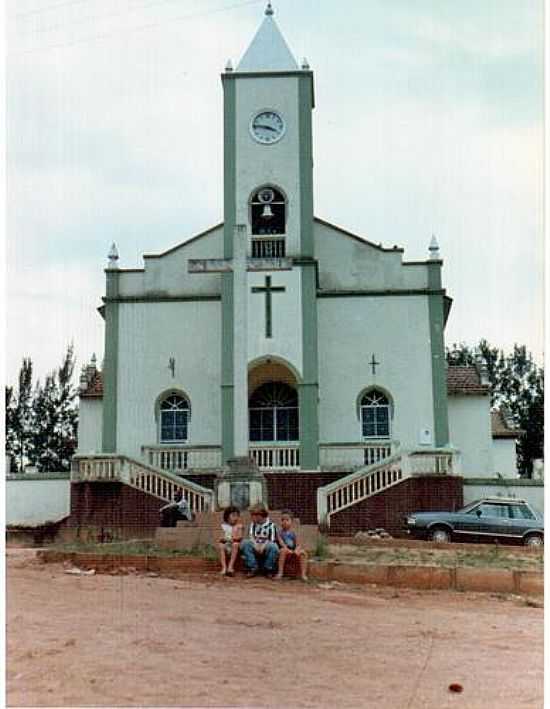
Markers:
268,50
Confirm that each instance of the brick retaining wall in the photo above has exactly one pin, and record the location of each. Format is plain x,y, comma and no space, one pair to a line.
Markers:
297,492
115,510
387,509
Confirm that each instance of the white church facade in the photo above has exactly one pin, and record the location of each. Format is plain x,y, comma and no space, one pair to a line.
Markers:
275,335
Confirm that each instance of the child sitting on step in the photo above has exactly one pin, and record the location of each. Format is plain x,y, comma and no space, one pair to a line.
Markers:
288,543
229,544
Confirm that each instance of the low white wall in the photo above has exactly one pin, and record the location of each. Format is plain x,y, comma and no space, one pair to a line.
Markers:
33,500
530,490
505,457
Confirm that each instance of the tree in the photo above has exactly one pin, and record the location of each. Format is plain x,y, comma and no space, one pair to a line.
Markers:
19,417
53,441
41,422
10,428
517,383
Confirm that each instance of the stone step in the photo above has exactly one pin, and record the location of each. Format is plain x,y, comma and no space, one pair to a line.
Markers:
215,519
189,536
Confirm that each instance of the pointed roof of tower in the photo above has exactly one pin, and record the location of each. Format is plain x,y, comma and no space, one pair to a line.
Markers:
268,50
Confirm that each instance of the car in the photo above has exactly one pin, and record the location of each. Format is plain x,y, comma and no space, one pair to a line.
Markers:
505,519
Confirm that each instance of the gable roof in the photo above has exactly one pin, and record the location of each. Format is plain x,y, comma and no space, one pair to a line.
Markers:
360,239
501,428
465,380
94,389
316,220
268,50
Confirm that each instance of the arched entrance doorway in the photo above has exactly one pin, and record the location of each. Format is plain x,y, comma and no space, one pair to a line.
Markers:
273,415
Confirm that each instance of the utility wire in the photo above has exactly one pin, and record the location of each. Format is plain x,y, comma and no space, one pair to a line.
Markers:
104,16
41,10
139,28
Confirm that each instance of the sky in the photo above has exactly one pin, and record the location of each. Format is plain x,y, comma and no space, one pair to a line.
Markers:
428,120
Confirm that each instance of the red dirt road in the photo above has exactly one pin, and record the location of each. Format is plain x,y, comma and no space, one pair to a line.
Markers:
203,642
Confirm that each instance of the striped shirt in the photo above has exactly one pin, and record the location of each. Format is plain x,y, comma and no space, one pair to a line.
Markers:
263,532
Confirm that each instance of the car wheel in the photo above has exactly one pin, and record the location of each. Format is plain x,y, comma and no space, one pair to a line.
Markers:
533,540
440,535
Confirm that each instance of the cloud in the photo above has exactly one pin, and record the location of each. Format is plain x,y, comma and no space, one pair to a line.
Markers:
428,119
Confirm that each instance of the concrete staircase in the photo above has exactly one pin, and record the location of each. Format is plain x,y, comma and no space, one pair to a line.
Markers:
205,530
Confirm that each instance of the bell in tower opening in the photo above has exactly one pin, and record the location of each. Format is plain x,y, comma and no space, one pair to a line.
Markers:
268,212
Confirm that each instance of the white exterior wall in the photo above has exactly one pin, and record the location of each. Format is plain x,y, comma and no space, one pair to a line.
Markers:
532,493
276,164
504,457
90,426
34,501
347,263
286,318
151,333
396,330
168,275
470,432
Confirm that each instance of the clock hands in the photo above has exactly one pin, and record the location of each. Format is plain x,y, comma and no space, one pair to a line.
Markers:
266,127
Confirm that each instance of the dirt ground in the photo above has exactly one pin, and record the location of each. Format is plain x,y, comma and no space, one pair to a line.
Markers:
148,641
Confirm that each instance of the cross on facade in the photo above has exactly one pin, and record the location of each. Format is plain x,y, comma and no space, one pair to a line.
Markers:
268,289
238,267
374,364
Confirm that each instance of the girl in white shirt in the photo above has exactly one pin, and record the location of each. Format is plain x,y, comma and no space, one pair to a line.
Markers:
232,534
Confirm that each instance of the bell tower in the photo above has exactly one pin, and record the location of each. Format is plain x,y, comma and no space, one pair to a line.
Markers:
268,100
268,190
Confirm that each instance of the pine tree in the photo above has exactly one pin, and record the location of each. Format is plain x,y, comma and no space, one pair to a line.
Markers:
19,418
55,419
10,441
67,419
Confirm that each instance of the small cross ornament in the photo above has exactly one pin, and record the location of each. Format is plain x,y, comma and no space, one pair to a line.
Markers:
374,364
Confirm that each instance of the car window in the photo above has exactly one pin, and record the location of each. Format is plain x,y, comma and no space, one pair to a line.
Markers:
490,510
469,508
520,512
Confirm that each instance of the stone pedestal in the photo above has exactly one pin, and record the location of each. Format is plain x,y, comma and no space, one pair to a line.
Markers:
242,485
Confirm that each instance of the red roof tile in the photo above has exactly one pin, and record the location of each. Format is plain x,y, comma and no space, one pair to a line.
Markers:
465,380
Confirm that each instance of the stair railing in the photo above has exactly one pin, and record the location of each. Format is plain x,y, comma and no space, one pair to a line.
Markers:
147,478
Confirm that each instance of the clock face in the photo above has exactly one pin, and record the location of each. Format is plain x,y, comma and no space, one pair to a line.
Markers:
267,127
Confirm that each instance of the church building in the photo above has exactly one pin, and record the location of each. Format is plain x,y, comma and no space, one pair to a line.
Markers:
278,338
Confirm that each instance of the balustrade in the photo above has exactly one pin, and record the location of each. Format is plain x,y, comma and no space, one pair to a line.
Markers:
276,457
180,458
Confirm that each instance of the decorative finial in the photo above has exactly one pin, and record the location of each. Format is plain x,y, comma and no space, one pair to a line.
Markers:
113,256
229,65
434,249
269,9
93,361
305,64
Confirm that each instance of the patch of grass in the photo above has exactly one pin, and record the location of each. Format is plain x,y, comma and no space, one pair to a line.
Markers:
137,547
498,557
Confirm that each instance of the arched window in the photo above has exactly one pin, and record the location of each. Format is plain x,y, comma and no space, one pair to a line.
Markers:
268,219
273,413
375,414
174,419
